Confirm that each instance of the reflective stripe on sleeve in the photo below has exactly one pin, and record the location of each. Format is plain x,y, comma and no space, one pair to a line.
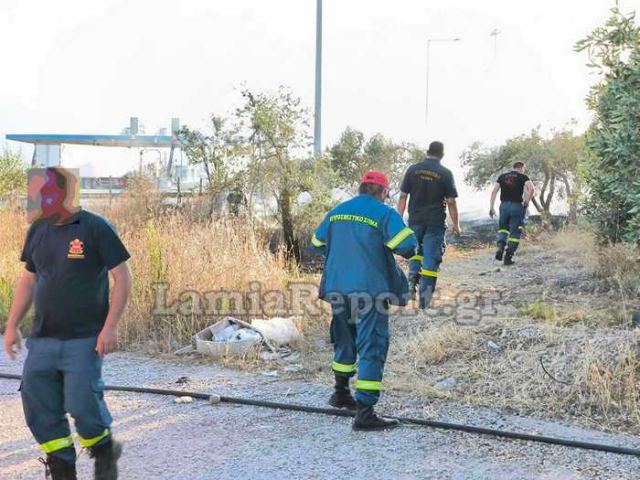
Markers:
514,240
317,243
503,231
417,258
428,273
400,237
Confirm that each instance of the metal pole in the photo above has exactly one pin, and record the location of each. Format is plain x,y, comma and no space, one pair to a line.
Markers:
317,120
426,103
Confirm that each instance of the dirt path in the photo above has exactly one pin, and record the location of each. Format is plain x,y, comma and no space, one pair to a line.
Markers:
198,441
500,385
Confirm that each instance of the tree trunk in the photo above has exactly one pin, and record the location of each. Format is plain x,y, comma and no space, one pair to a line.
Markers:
543,192
290,243
546,202
571,200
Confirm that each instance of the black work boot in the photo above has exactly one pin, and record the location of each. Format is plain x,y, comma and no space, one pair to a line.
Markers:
106,460
414,281
57,469
508,258
342,398
367,420
500,251
413,287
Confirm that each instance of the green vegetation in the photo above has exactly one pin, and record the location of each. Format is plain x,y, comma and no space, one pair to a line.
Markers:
265,148
552,164
13,179
540,311
612,168
353,154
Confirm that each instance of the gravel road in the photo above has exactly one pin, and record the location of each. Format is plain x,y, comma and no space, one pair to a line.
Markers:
164,440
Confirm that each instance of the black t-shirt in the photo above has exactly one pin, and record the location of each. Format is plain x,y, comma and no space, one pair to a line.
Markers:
512,186
428,183
71,262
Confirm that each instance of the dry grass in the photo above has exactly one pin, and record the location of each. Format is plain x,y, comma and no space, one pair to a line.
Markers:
173,247
441,344
11,238
608,383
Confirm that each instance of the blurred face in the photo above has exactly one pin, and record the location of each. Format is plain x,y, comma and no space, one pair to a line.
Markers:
52,196
49,197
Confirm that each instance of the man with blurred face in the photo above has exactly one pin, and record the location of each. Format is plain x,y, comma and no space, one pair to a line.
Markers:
68,256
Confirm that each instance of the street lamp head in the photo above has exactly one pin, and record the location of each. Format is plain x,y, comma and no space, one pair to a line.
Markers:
456,39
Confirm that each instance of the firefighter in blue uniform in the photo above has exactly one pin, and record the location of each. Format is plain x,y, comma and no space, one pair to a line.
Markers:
68,255
431,188
360,280
516,191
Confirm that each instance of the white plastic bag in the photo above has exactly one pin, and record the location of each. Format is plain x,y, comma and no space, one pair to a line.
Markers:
280,331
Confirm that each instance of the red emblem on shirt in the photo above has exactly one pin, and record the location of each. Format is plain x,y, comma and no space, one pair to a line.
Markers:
76,249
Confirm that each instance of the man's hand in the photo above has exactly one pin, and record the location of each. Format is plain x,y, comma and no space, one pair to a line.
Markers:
107,341
457,231
492,212
12,342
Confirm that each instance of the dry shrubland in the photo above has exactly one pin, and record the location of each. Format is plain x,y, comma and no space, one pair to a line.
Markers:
174,246
561,344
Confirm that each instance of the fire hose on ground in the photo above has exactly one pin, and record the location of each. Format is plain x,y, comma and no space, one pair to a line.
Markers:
214,399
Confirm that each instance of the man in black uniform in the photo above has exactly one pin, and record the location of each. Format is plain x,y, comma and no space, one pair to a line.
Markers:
68,255
516,190
430,186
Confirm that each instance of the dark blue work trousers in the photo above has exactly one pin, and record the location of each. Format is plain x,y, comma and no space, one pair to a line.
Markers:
424,267
360,334
59,377
510,225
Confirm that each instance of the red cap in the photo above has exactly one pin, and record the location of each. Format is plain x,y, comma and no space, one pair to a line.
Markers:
376,178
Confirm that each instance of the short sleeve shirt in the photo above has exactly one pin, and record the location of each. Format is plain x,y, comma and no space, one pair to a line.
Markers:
512,186
71,262
428,184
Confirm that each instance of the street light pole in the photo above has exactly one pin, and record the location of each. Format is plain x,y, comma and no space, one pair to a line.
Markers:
429,41
495,34
317,118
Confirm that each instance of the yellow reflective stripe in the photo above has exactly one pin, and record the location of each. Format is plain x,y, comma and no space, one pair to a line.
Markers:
368,385
90,442
400,237
428,273
316,242
417,258
343,367
503,231
514,240
57,444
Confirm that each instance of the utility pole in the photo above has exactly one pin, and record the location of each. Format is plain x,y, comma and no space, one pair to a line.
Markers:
495,34
429,41
317,117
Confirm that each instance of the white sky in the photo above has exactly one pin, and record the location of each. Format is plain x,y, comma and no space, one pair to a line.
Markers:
73,66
